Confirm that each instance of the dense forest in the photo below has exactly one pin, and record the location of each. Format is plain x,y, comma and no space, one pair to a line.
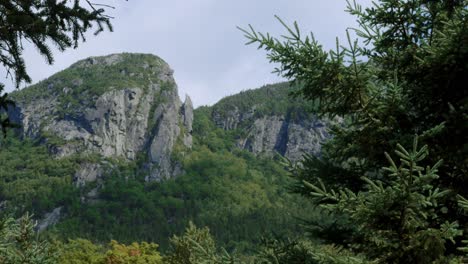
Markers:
388,186
234,193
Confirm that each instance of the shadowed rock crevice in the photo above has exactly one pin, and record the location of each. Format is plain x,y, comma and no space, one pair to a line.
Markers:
281,145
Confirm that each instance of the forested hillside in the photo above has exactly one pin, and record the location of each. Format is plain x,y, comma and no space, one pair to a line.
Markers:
234,192
361,157
270,120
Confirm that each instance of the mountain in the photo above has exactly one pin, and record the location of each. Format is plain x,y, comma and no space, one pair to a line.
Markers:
107,150
117,106
269,121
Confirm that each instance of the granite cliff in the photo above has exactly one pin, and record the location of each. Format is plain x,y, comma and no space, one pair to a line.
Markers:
120,106
269,121
115,127
126,107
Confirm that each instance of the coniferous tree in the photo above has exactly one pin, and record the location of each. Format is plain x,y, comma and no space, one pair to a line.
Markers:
42,23
197,246
19,243
406,74
399,221
409,78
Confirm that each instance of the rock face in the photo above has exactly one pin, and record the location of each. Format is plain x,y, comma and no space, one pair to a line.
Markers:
290,138
126,107
137,111
277,134
270,123
88,172
49,219
174,126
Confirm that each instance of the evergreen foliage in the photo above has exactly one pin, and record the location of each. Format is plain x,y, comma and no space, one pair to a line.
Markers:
405,75
30,177
400,220
197,246
231,191
42,23
408,78
19,244
268,100
81,251
304,252
231,195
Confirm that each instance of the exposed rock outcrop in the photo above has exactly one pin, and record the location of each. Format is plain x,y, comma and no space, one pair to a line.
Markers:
271,122
278,134
49,219
88,172
171,130
141,113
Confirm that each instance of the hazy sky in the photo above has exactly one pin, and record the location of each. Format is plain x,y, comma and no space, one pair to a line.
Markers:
200,41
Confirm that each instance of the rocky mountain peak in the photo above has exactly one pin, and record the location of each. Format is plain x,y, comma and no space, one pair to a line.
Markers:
116,106
272,122
126,106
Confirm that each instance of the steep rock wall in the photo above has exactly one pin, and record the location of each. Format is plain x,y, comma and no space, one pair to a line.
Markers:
144,117
283,134
270,121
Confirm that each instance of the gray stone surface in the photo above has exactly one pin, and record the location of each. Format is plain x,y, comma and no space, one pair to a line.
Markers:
187,113
120,123
88,172
166,134
281,134
49,219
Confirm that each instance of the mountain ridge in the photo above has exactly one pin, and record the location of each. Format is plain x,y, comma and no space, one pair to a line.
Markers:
76,113
272,121
127,152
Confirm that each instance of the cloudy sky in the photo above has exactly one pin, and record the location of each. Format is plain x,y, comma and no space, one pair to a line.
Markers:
200,41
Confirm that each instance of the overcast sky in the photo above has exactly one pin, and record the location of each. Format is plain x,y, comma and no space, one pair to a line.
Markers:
200,41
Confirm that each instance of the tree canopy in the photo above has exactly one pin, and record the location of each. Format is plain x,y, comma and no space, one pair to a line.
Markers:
405,74
42,24
401,85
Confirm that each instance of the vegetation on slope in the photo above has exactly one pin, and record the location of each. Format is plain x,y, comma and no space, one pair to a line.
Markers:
30,177
407,78
78,86
234,193
269,100
384,210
